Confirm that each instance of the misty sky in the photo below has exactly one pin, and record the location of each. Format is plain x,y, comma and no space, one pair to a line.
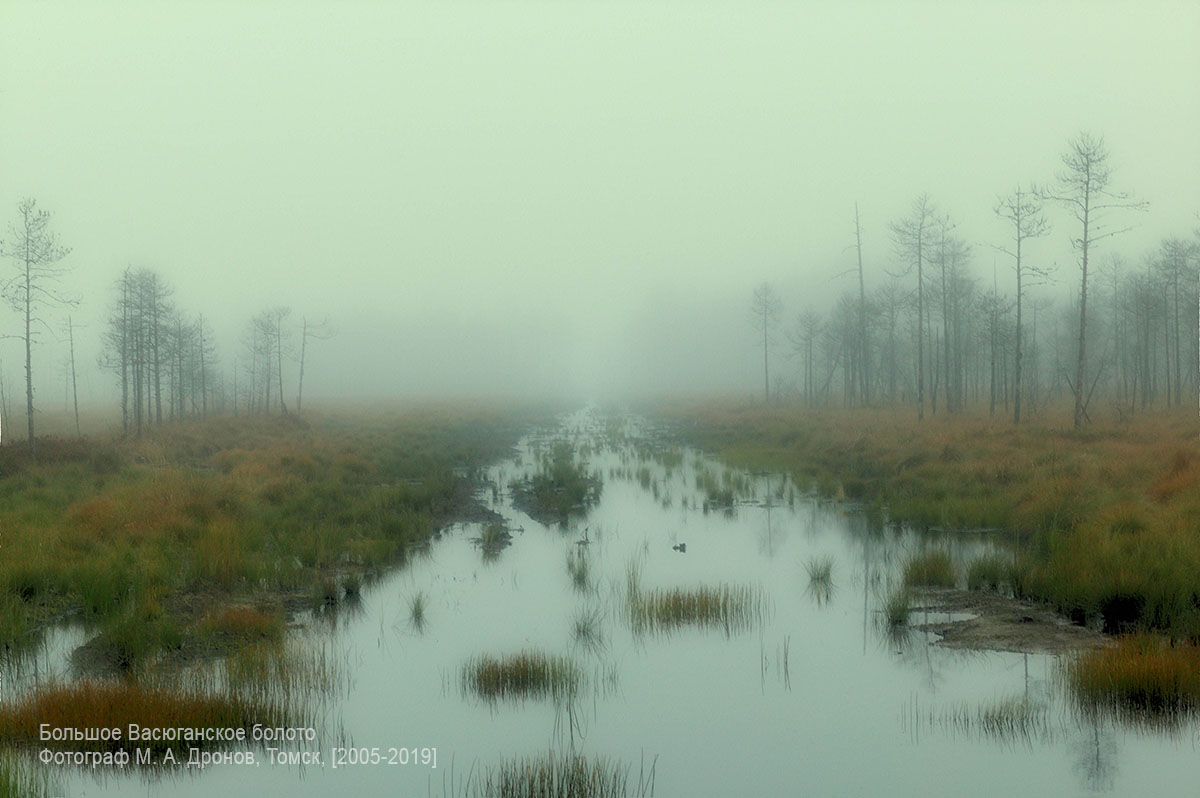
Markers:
509,197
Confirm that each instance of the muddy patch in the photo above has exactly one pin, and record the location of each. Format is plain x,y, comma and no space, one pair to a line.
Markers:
998,623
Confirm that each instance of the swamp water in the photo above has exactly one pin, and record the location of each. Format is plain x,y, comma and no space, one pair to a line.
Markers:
800,688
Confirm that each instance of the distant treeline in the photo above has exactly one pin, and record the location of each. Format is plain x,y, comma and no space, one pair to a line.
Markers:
937,336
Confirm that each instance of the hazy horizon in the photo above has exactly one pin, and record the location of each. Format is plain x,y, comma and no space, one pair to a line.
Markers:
534,198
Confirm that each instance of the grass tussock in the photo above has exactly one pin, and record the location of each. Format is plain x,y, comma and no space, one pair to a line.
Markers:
529,674
416,611
930,569
820,570
556,775
730,608
897,606
1140,676
87,704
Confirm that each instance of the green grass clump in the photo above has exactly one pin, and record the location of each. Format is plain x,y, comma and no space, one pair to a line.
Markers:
555,775
930,569
990,572
416,611
529,674
820,570
897,605
731,608
1142,676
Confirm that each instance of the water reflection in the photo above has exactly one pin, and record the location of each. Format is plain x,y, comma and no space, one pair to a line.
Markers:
812,679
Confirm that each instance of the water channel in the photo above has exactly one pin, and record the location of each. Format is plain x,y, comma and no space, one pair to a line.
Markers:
814,694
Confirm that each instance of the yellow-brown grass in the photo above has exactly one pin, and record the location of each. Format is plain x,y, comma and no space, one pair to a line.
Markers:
1139,674
90,705
1109,516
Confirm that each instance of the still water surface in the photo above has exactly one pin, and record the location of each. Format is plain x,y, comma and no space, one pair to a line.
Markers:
817,697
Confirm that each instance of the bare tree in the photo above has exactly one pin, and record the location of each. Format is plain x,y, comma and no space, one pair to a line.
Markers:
864,354
765,308
1082,188
912,237
802,337
321,331
37,254
1023,210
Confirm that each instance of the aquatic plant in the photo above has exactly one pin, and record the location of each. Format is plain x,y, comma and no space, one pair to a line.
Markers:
731,608
241,624
579,569
933,568
990,572
529,674
89,704
561,775
1141,676
820,570
416,611
586,629
897,605
560,487
1005,719
493,539
326,593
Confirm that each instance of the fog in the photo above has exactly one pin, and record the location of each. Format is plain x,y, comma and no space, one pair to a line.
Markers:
566,198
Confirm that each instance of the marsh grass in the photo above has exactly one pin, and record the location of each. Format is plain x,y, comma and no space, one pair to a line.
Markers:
1008,719
1142,677
933,568
579,569
820,578
1106,515
21,778
990,572
493,539
730,608
326,593
560,487
561,775
820,570
416,611
201,514
88,704
897,606
587,629
241,624
529,674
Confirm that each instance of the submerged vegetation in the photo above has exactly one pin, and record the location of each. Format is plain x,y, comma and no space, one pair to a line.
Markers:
529,674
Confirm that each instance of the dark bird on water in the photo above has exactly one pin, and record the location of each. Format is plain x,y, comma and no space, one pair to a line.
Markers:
680,547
